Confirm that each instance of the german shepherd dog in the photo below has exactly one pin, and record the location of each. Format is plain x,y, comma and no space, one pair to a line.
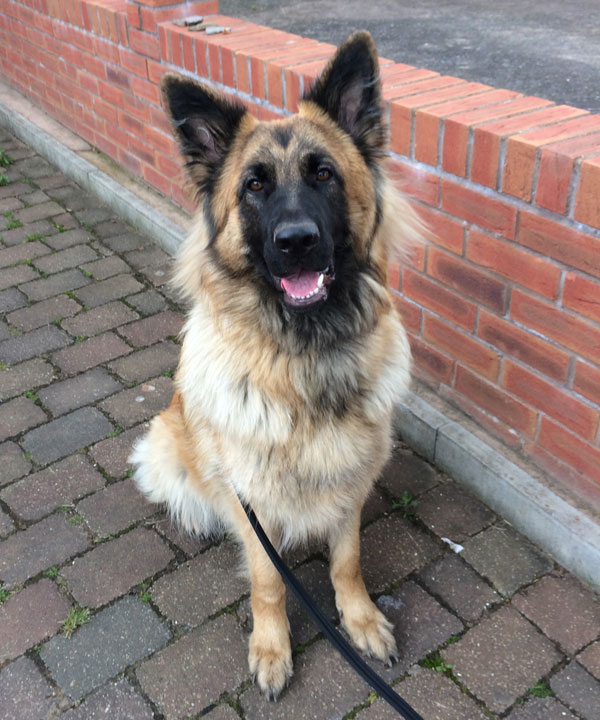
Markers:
293,356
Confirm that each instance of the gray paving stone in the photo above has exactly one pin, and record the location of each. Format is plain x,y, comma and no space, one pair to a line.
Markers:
61,282
35,198
158,275
17,275
139,403
64,259
460,587
18,415
149,256
43,313
590,659
84,389
432,695
10,204
31,616
90,353
384,563
5,333
152,329
112,288
115,508
106,267
148,302
541,709
376,505
18,378
64,436
114,567
112,454
6,524
32,344
13,463
505,558
115,638
50,542
578,690
34,167
111,227
118,701
72,197
68,238
15,189
146,363
564,609
39,212
20,253
100,319
57,485
223,712
94,215
323,686
65,222
123,242
20,234
405,472
52,181
193,672
11,299
190,544
501,658
25,694
201,586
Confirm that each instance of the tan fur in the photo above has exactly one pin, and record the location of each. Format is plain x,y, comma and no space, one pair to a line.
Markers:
243,419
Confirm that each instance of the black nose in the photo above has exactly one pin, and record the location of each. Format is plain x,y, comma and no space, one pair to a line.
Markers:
296,238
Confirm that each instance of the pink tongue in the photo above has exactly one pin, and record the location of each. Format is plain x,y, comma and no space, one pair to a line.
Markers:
301,283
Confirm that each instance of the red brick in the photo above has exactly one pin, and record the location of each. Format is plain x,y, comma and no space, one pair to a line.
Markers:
587,381
523,345
582,295
157,180
442,229
144,43
142,88
487,212
521,152
487,139
106,50
496,401
133,62
410,314
134,18
553,401
574,248
461,346
507,259
415,182
570,448
466,278
431,361
111,94
556,324
142,150
105,110
587,206
433,295
189,59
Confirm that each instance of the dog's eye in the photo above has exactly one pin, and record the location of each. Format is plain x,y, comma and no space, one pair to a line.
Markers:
323,173
254,184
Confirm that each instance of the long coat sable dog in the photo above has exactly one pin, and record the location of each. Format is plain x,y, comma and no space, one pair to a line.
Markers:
292,355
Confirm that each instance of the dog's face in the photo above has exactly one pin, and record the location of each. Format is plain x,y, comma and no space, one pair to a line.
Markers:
291,203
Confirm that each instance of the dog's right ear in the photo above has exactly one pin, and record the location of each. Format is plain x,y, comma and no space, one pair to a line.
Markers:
205,125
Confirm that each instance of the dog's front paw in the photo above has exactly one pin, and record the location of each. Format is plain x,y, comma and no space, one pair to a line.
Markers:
371,632
271,667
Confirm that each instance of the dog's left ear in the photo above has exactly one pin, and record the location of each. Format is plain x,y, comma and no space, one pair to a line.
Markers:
350,92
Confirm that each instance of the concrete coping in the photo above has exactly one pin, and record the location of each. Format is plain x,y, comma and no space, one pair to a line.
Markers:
566,532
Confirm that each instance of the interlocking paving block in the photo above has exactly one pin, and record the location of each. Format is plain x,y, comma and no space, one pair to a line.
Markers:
146,257
501,658
115,701
452,512
16,276
112,288
139,403
77,391
459,586
55,486
20,253
50,542
106,267
13,463
18,415
223,712
115,508
114,567
11,299
190,544
71,257
6,524
90,353
115,638
201,586
29,374
68,238
43,313
100,319
541,709
72,196
147,363
20,234
432,695
323,686
148,302
153,329
25,694
112,226
193,672
578,689
564,609
32,344
29,617
113,454
384,563
67,434
34,167
60,282
590,659
95,214
122,242
406,472
505,558
376,504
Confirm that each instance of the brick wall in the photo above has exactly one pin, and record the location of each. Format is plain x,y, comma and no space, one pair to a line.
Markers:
503,298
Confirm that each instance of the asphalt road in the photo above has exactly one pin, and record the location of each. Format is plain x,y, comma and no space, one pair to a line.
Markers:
549,48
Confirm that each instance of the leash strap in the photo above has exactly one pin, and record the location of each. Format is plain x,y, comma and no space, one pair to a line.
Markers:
335,637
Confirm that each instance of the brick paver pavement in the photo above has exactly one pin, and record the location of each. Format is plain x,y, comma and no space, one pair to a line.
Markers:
88,342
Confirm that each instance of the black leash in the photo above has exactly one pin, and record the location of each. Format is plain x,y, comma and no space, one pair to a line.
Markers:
335,637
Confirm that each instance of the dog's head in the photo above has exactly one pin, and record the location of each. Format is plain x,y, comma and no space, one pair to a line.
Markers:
293,204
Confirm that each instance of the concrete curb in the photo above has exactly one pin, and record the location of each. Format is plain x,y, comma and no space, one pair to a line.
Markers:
570,536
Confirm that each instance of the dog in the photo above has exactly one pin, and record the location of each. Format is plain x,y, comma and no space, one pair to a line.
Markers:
292,356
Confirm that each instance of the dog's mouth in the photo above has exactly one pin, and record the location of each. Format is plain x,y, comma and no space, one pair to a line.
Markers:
305,288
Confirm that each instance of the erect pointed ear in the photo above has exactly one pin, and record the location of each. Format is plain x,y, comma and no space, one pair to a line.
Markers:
350,92
205,125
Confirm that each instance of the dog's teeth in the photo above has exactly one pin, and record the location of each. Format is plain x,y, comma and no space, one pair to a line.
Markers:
320,281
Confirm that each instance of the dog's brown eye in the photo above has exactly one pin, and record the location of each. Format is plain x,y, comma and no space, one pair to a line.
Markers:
323,174
255,185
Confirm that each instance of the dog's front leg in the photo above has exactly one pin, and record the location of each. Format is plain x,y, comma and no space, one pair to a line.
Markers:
369,629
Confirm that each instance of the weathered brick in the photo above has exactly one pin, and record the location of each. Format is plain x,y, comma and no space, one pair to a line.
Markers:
94,215
146,257
24,692
577,689
68,238
111,227
34,167
11,299
44,313
139,403
18,415
19,378
29,617
148,302
106,267
61,437
56,486
158,275
112,454
100,319
153,329
37,342
114,567
541,709
38,212
72,196
115,508
123,242
20,253
119,701
16,275
146,363
89,353
590,659
65,259
61,282
406,472
13,462
104,291
84,389
6,524
452,512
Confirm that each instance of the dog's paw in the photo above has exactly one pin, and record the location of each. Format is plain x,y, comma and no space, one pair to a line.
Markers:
271,668
372,633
